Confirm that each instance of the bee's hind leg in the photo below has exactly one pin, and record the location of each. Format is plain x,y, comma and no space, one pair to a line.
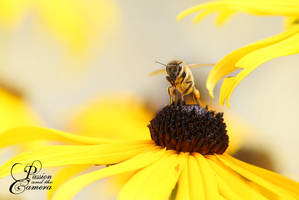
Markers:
196,97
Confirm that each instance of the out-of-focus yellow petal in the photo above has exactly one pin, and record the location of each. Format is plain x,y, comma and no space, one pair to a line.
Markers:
237,130
202,15
14,112
68,190
291,21
12,12
235,183
77,23
154,182
116,116
208,176
184,185
64,175
223,16
262,7
275,183
60,155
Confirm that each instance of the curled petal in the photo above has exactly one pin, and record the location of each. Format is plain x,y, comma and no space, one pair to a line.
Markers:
262,7
253,59
235,60
223,16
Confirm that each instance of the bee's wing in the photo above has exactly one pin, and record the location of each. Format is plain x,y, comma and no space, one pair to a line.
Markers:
160,71
200,65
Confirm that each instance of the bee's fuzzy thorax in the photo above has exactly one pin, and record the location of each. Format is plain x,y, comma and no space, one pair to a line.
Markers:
189,128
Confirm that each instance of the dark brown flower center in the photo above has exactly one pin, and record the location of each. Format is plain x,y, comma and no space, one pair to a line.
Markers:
189,128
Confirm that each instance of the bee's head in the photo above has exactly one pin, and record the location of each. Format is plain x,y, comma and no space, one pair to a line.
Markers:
173,69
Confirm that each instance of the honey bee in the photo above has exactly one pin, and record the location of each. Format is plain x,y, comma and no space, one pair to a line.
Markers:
181,80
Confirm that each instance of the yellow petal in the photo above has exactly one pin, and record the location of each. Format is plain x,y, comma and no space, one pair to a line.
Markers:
262,7
291,21
228,64
252,60
60,155
277,184
68,190
202,15
99,117
209,6
113,184
223,16
12,12
232,182
268,194
154,182
253,55
226,191
197,190
64,175
74,22
208,177
28,134
184,186
14,111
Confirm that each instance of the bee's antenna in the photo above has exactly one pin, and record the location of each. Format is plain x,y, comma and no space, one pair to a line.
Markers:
160,63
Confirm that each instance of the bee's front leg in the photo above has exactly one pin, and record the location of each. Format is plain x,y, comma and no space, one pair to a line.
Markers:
178,97
171,94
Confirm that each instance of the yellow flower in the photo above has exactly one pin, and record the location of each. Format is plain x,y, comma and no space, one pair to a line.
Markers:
97,118
78,24
253,55
186,149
